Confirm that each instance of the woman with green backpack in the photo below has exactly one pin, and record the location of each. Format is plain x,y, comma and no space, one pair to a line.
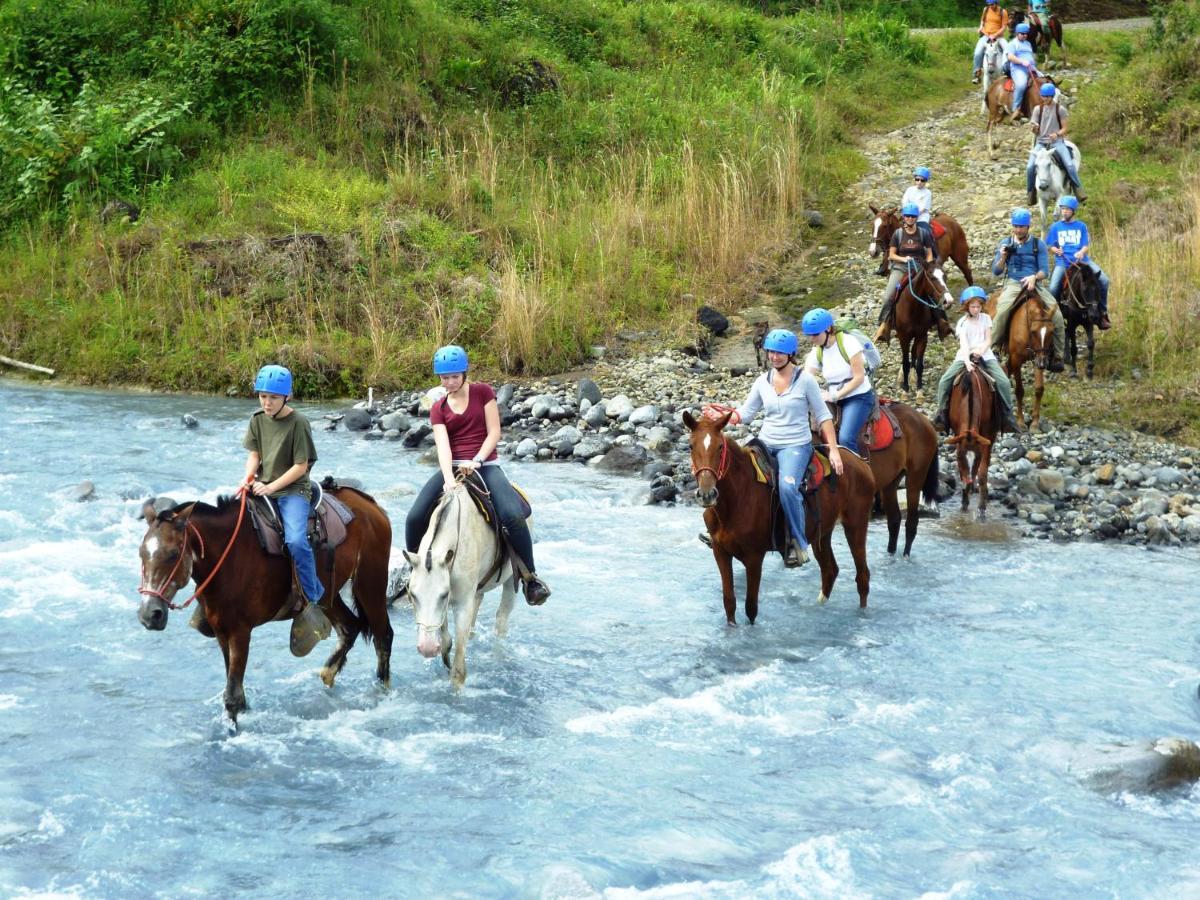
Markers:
838,357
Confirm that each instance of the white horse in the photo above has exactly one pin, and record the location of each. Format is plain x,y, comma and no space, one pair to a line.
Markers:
993,66
1052,182
452,570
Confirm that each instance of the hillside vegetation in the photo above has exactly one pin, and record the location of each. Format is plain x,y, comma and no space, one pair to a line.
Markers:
344,186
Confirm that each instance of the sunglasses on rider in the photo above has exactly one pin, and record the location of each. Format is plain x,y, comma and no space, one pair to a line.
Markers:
919,178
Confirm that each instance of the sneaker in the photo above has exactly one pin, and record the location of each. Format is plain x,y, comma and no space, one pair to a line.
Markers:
884,334
1104,324
199,621
308,629
796,556
536,591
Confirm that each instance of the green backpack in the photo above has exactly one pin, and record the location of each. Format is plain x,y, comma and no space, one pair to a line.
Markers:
847,325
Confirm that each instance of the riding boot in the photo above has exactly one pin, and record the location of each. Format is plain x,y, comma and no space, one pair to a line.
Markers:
1104,324
941,421
1031,197
537,591
884,334
796,555
1055,364
199,621
308,629
975,77
943,324
1010,422
705,538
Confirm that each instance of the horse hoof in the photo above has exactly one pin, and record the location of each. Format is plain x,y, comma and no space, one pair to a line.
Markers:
821,599
328,675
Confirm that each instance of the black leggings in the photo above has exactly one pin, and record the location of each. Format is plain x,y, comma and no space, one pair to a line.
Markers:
504,497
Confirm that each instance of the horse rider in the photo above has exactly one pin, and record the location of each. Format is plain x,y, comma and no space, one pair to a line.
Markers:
466,430
1049,123
974,332
1069,242
992,25
280,454
1021,259
1022,65
787,395
908,243
919,194
839,359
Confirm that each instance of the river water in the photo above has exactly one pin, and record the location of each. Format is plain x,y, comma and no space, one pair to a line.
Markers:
622,741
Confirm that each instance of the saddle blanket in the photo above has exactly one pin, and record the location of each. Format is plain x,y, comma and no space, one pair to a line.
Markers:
327,521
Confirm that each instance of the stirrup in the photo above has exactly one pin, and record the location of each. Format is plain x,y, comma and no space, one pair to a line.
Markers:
536,591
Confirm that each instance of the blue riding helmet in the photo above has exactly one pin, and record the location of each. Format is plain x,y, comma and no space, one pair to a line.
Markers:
910,209
989,2
781,340
921,172
273,380
816,321
450,360
1048,90
1023,28
974,292
1021,216
1069,202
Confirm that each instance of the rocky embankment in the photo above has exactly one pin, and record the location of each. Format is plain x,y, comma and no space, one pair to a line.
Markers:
1062,483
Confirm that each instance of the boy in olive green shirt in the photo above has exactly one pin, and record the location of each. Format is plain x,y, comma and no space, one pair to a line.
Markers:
281,453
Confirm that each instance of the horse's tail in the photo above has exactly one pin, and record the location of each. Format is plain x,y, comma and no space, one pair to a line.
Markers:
929,490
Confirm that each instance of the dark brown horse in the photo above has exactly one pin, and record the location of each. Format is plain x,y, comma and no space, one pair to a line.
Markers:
1030,338
739,516
915,311
952,245
999,103
974,422
242,587
1081,308
914,457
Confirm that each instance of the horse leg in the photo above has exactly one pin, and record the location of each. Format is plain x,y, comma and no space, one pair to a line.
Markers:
919,346
983,459
1091,348
447,644
1014,376
753,566
235,696
725,567
369,589
891,505
823,549
964,474
464,624
1072,348
912,492
856,536
905,345
347,633
507,593
1039,386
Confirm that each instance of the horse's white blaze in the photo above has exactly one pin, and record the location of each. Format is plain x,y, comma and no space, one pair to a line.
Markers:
707,441
151,545
873,249
1042,332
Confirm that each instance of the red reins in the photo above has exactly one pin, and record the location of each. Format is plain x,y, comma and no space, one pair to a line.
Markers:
242,491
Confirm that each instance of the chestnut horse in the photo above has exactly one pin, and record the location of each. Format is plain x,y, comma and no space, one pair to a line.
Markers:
241,587
999,103
952,245
973,419
739,516
915,314
1081,308
914,456
1030,337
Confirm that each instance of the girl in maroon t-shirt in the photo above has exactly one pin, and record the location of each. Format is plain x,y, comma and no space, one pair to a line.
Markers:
466,430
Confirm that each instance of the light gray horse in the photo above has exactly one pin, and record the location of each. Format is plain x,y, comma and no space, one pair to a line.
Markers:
1052,182
452,569
993,66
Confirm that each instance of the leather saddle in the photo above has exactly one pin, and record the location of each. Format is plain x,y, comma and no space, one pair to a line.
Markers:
482,499
881,428
327,521
767,472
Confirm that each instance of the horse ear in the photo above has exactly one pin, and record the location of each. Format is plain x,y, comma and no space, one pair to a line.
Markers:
412,558
149,512
689,421
449,556
873,210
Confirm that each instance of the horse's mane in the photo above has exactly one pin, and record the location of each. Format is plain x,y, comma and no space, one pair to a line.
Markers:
439,516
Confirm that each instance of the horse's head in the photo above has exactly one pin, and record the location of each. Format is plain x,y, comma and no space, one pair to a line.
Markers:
710,454
1043,163
1015,18
885,222
936,279
166,555
1040,322
1082,291
429,586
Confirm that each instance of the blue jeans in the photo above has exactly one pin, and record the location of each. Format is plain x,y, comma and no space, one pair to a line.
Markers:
793,463
293,509
1060,272
854,415
1020,78
1063,152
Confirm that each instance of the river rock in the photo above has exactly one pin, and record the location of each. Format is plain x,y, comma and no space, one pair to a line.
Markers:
713,320
1168,475
416,434
596,416
589,447
190,421
644,415
1051,482
626,460
565,439
1106,474
662,490
356,419
659,439
526,448
619,407
504,396
1140,768
395,421
393,434
586,389
1189,527
541,406
83,491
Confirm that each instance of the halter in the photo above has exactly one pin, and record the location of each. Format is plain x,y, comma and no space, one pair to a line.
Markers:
913,266
242,491
723,462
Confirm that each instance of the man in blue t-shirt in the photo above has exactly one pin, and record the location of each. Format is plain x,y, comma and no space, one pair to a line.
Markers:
1021,260
1069,242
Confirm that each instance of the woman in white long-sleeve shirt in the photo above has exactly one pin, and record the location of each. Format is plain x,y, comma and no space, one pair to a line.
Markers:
786,395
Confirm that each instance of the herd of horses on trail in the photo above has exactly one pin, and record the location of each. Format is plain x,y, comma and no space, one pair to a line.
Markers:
242,587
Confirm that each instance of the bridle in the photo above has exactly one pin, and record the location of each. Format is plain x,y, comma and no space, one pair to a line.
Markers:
170,579
723,462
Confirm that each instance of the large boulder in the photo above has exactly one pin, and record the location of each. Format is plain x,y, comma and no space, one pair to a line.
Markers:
1143,767
619,407
644,415
589,447
417,434
395,421
596,416
355,419
586,389
623,460
713,320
